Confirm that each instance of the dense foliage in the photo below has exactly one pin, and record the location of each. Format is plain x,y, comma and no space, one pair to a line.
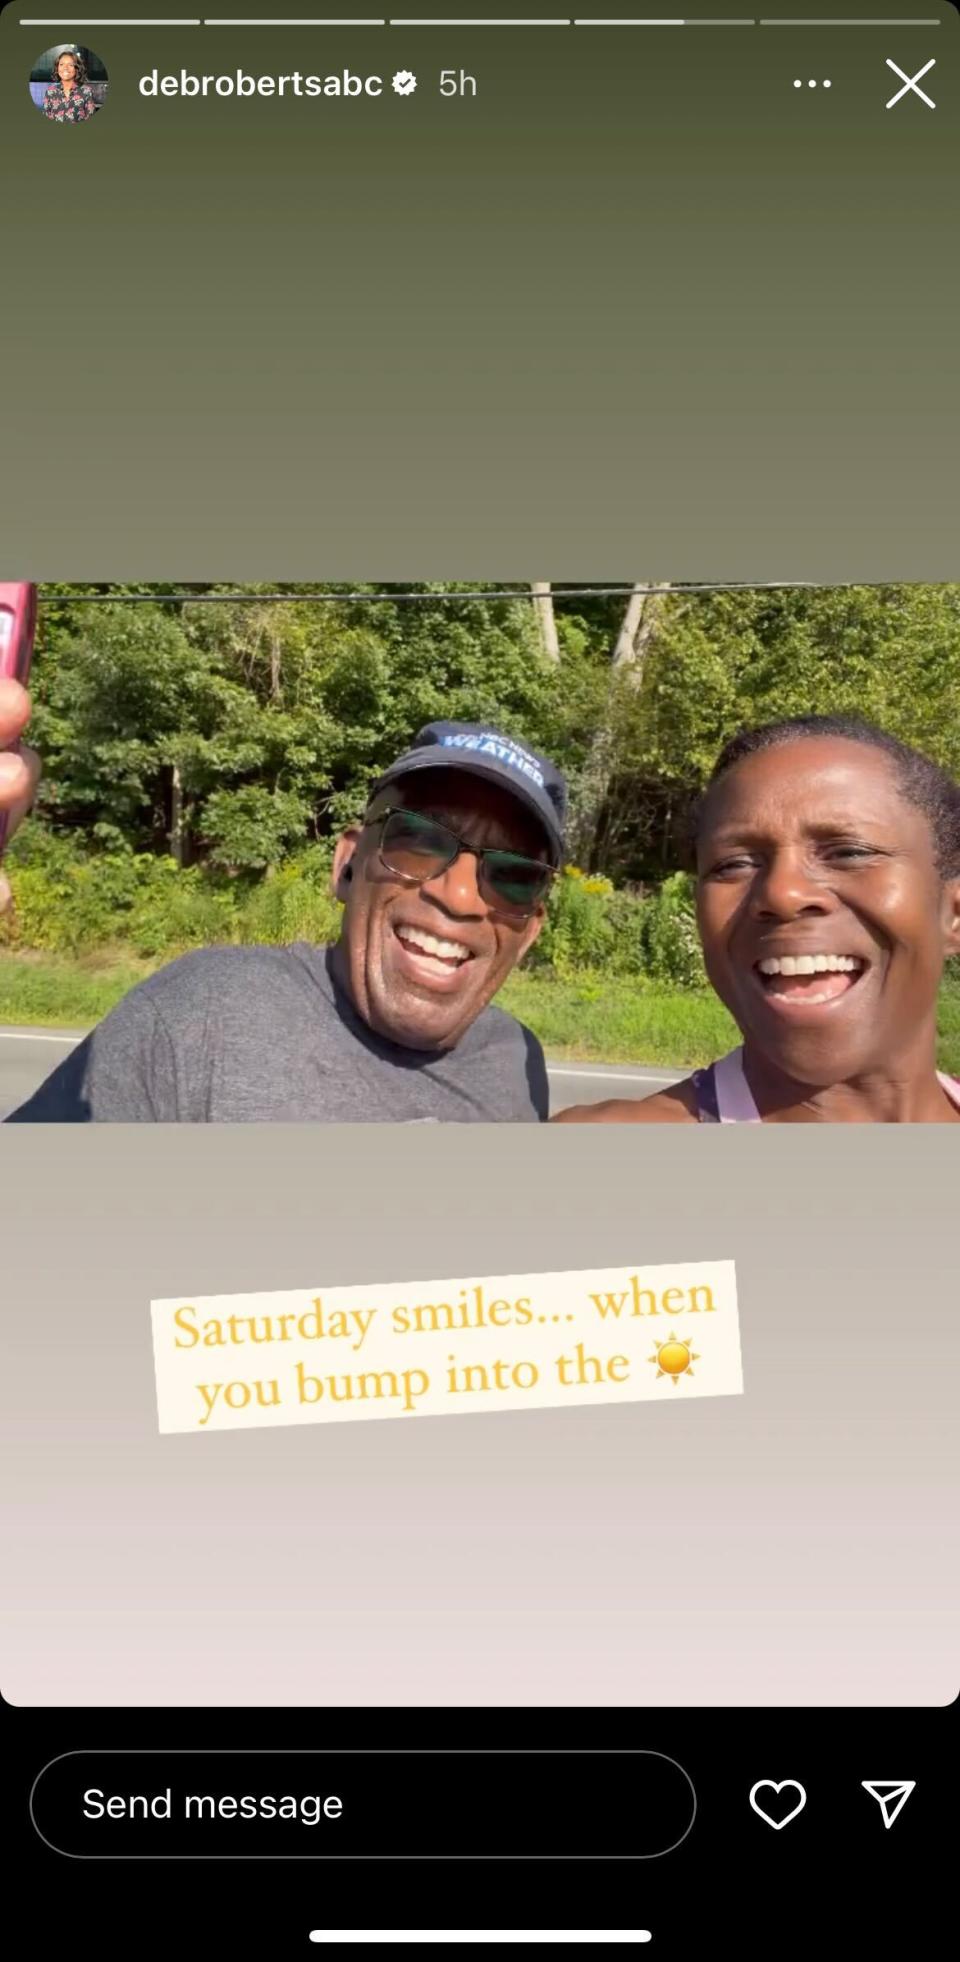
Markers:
199,757
69,901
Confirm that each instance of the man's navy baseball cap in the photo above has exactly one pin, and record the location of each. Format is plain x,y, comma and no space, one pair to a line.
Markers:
484,752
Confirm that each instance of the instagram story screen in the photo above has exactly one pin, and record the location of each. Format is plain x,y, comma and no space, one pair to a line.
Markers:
479,1053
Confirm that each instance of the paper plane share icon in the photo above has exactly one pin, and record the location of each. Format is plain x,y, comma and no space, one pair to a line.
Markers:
890,1796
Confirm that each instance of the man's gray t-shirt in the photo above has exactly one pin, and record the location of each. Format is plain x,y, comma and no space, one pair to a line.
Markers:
264,1034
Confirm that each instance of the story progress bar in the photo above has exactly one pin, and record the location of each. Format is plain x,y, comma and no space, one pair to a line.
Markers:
458,21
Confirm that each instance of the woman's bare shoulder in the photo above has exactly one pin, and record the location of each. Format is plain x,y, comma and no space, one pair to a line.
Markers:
678,1105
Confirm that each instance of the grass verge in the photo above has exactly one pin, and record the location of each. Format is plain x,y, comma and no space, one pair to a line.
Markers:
55,991
591,1019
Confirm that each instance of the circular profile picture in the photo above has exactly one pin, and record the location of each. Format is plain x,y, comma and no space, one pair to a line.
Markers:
68,84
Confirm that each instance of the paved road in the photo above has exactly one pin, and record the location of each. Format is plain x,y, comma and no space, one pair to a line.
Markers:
590,1083
28,1055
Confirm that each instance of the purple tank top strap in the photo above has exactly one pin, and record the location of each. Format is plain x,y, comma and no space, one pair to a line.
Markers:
723,1093
734,1096
705,1090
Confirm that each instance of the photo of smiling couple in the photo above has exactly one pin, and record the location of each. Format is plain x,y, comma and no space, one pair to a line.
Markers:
826,892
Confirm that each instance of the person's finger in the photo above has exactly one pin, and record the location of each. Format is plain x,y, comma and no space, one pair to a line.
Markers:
19,776
14,712
17,783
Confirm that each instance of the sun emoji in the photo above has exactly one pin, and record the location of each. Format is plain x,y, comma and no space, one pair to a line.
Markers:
673,1359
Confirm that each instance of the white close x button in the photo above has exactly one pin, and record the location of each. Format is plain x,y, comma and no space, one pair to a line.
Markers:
910,84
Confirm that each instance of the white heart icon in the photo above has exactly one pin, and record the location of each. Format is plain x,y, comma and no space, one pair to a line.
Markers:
785,1785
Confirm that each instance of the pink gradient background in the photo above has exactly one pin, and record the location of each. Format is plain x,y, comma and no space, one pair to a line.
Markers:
790,1546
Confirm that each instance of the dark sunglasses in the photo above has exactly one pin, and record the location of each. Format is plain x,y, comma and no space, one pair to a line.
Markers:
418,848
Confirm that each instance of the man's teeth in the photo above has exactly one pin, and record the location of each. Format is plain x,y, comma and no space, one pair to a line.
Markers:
428,943
812,964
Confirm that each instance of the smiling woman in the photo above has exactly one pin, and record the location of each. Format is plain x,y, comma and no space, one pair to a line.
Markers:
828,901
68,84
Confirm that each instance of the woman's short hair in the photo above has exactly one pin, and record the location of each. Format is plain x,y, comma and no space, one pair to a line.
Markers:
922,782
78,61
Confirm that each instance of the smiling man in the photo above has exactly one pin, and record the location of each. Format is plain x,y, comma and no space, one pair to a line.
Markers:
444,886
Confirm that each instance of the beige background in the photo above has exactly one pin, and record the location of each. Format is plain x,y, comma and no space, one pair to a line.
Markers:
793,1545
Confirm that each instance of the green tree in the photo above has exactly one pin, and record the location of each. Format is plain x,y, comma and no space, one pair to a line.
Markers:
234,732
